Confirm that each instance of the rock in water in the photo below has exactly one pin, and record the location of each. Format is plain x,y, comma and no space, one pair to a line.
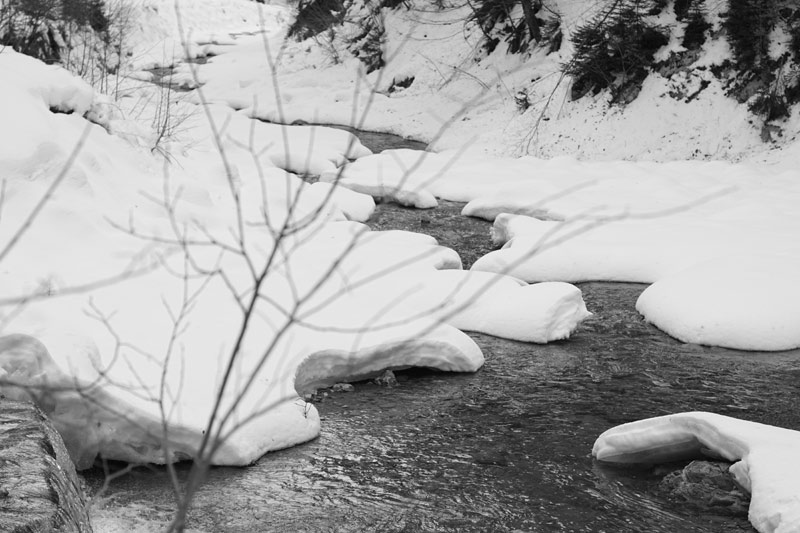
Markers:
707,486
387,379
39,490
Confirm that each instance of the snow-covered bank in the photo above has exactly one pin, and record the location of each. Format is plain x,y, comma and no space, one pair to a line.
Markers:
568,220
440,86
149,302
764,457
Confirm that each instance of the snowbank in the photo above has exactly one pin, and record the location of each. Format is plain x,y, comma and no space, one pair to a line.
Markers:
616,249
29,91
566,220
603,221
747,302
150,304
765,457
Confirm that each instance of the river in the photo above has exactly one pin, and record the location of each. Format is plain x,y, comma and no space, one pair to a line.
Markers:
505,449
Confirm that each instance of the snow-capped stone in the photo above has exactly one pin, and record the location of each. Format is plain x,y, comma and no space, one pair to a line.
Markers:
765,457
747,302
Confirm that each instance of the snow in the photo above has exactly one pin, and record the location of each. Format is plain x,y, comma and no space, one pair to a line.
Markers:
618,221
460,94
764,457
36,90
568,220
158,31
54,86
124,297
747,302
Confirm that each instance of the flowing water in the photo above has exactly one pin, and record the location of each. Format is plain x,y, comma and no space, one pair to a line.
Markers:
505,449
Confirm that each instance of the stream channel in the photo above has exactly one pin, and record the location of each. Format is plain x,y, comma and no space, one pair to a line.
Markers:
505,449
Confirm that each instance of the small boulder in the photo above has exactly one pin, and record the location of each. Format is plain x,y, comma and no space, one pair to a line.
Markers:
343,387
707,486
387,379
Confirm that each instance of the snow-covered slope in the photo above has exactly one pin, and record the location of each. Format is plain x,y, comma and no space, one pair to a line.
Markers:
459,94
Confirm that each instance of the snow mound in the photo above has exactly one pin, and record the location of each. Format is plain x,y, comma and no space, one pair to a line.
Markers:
354,206
52,85
440,347
621,247
404,176
546,250
504,307
30,94
765,457
743,302
251,145
158,309
95,418
619,220
471,301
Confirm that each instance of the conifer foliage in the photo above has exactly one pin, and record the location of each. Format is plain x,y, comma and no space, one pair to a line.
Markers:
41,28
615,50
351,26
769,80
693,12
748,24
520,22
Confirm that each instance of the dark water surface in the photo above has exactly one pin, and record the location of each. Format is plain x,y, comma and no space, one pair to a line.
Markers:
505,449
378,142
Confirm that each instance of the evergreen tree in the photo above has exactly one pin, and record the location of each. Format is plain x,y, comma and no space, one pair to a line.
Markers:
615,49
748,24
694,34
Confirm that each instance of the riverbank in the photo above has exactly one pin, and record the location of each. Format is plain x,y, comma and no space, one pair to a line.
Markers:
506,448
439,85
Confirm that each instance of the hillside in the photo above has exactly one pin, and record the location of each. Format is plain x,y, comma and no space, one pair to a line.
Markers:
691,105
656,80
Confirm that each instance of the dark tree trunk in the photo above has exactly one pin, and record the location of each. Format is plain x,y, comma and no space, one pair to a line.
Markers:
529,9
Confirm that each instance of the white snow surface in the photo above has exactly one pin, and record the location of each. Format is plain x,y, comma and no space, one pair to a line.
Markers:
747,302
460,93
162,32
568,220
126,279
765,457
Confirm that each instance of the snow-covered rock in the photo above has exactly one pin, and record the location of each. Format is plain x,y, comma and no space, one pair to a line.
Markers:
747,302
159,312
765,457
